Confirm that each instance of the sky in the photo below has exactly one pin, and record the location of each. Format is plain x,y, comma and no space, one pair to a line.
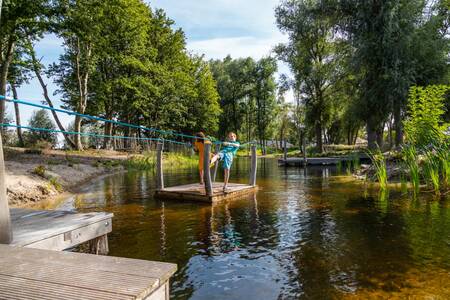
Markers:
214,28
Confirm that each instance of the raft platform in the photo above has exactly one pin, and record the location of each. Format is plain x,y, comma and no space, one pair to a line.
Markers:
196,192
42,274
60,230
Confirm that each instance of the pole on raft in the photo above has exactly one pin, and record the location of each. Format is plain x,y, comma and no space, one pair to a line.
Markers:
159,167
216,166
285,151
254,166
207,171
6,235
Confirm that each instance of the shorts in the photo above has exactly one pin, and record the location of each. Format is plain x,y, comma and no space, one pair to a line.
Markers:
227,159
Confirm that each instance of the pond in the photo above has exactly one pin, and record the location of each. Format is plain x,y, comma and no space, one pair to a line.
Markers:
307,234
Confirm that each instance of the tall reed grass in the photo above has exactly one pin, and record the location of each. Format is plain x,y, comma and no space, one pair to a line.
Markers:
379,163
411,160
147,161
431,172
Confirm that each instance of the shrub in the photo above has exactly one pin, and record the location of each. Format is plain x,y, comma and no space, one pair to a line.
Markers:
39,170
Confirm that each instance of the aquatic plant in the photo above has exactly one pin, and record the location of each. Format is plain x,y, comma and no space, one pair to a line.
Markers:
379,163
411,160
355,161
339,166
431,171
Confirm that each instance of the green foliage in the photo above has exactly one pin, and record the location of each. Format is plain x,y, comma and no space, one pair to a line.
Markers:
411,160
424,124
40,119
170,160
379,162
431,171
39,170
55,183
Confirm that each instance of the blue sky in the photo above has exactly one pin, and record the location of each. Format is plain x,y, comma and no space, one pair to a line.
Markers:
214,28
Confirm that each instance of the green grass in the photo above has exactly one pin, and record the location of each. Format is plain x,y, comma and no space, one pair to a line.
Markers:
431,172
379,163
170,161
411,160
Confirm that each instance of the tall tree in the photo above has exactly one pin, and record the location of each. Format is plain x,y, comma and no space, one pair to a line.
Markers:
312,56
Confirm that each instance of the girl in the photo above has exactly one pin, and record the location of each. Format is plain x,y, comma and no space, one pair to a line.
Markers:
226,155
199,146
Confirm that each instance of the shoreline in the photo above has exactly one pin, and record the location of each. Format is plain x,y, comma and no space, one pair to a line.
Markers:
44,180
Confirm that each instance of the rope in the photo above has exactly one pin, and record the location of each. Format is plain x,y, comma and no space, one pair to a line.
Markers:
91,134
94,118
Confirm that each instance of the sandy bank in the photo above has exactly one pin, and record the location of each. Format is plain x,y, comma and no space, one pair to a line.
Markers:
38,179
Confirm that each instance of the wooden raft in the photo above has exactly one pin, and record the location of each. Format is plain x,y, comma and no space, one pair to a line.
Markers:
209,192
196,192
60,230
42,274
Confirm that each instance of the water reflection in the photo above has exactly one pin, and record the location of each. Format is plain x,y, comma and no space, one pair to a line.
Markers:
308,233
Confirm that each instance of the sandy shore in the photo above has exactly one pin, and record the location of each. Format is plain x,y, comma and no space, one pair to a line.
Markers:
41,179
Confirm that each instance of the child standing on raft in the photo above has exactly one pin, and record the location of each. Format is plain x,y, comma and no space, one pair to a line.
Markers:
199,146
226,155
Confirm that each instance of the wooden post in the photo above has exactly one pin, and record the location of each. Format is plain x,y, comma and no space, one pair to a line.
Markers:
5,218
159,167
216,166
206,170
254,167
285,150
99,245
305,162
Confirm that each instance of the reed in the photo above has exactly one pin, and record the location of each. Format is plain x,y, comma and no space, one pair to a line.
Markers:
431,172
411,160
379,163
339,166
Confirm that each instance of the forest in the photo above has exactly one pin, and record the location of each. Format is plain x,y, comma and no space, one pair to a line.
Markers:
352,66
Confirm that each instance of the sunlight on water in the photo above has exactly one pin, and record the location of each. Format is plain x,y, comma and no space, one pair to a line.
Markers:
306,234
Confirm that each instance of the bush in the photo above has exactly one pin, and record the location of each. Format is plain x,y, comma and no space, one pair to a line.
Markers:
40,119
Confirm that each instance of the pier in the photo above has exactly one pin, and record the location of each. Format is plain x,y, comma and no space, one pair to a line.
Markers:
320,161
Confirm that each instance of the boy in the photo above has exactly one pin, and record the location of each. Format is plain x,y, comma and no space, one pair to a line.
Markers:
226,155
199,146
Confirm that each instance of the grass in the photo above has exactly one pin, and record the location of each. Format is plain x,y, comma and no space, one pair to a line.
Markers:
39,170
411,160
431,172
170,161
379,162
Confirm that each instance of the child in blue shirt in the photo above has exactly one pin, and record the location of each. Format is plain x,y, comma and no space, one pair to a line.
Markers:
231,146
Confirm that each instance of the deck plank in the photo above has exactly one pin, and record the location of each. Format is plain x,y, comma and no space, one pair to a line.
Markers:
196,192
42,274
46,229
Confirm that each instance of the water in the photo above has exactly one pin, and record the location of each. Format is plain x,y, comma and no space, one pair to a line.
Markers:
312,235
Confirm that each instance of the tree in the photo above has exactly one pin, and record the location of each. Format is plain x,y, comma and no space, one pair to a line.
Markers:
20,20
312,56
41,120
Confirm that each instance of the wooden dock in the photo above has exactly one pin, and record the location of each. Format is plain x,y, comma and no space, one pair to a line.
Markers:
196,192
319,161
211,191
42,274
60,230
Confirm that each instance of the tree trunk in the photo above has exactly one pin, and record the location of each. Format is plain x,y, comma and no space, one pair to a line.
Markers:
77,128
398,126
4,77
380,136
37,72
319,137
371,137
16,109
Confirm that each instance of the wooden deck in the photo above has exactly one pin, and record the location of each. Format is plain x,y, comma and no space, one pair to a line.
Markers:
196,192
42,274
319,161
57,230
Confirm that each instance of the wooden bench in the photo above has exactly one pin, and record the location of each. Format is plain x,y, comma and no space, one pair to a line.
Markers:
27,273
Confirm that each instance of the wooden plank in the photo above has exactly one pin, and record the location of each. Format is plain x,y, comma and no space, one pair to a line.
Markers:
195,192
57,230
22,288
253,168
157,270
81,276
159,166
